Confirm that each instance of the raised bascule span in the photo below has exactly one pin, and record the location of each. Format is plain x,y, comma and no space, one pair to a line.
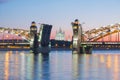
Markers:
40,42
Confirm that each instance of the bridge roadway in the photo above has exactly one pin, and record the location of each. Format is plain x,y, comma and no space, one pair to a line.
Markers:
18,44
93,43
82,43
15,45
102,45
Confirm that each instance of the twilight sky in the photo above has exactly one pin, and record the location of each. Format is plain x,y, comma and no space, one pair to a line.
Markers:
59,13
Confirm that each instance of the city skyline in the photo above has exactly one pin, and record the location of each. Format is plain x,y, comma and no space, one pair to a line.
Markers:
59,13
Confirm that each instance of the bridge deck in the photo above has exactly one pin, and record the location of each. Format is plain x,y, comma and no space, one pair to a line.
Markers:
92,43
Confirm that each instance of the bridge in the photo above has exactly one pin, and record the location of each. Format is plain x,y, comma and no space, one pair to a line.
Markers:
106,37
26,39
101,38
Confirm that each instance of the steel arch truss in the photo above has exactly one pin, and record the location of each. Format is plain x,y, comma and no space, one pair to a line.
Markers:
96,34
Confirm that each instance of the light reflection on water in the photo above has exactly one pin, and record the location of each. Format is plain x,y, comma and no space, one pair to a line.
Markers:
59,65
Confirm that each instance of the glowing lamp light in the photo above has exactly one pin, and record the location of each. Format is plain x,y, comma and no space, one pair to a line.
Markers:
77,22
75,27
56,45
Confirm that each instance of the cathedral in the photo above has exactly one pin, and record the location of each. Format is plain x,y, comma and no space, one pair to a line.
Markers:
60,35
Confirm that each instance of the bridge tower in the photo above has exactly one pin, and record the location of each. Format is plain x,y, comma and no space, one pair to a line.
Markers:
77,35
33,32
78,38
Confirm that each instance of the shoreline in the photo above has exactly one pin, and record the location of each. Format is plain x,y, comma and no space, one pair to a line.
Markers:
53,49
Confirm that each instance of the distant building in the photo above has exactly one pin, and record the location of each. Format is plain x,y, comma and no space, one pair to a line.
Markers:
60,35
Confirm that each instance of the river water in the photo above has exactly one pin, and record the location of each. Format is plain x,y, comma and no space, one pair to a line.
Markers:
60,65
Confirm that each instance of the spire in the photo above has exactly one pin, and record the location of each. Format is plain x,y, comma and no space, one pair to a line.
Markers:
60,30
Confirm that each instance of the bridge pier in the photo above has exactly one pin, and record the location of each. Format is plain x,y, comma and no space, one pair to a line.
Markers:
77,39
85,49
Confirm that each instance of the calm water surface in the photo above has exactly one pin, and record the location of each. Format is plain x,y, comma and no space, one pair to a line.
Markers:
59,65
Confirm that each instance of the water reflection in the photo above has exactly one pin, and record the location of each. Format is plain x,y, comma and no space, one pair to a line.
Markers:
96,66
80,66
58,65
6,63
41,67
23,65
